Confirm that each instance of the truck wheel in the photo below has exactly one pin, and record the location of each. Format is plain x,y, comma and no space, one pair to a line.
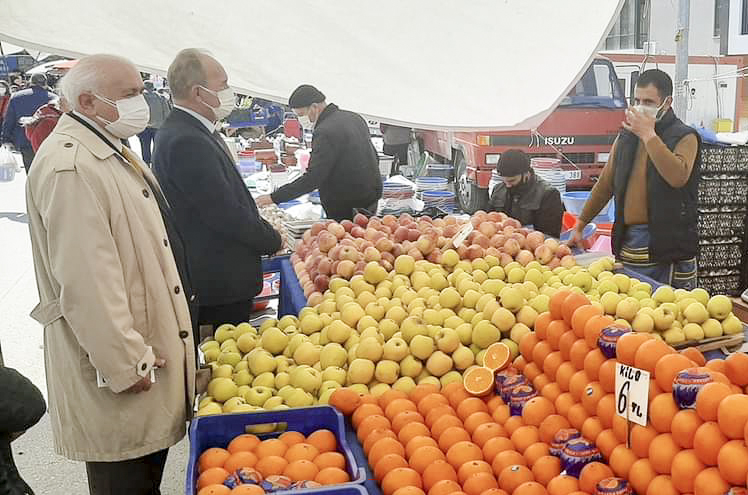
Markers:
470,197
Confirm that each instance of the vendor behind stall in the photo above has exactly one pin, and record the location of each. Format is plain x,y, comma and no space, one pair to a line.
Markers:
523,195
344,164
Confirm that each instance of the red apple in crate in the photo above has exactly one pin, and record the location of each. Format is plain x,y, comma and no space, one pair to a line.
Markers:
358,231
375,222
384,244
346,268
347,225
326,241
513,222
386,255
462,251
568,261
554,263
563,250
415,254
385,264
511,247
361,220
400,234
321,282
315,298
534,239
389,220
413,234
372,254
348,253
551,243
488,229
524,257
325,266
543,254
474,251
482,241
435,256
492,251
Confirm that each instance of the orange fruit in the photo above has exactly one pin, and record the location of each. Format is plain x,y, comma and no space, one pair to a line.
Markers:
496,358
476,419
369,424
562,485
524,436
271,447
551,391
479,483
564,344
577,353
330,459
654,390
606,375
550,426
684,426
530,488
662,410
438,471
449,389
551,363
462,452
580,317
248,442
431,401
620,428
345,400
592,474
709,398
375,436
399,405
494,491
621,460
302,451
564,374
444,422
606,409
716,365
540,352
577,384
732,462
215,489
212,476
546,468
364,411
240,460
707,441
387,464
495,446
606,441
409,490
527,344
302,470
591,428
591,396
532,371
667,367
513,476
593,327
577,416
512,423
627,345
390,395
563,403
556,305
507,458
662,450
554,332
493,403
290,438
411,430
422,390
418,442
248,489
710,482
649,352
736,368
536,410
470,406
451,436
435,414
404,418
662,485
457,396
400,477
383,447
486,432
541,381
641,437
694,355
423,457
519,363
270,465
501,414
213,457
445,487
535,452
592,363
686,465
541,325
472,467
641,475
732,415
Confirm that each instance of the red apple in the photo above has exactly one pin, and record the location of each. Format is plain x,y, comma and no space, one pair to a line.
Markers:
505,259
388,256
375,222
524,257
425,244
347,225
439,222
389,220
357,231
568,261
563,250
494,216
372,254
321,282
415,254
397,250
361,220
346,268
400,234
534,239
554,263
386,265
513,222
405,218
384,244
520,239
492,251
314,298
551,243
326,241
348,253
508,230
307,236
543,254
475,251
325,266
488,229
511,247
435,256
462,251
360,265
348,242
450,220
482,241
317,228
413,234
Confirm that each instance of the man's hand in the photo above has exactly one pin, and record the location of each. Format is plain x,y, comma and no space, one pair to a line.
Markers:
576,236
264,200
144,385
640,123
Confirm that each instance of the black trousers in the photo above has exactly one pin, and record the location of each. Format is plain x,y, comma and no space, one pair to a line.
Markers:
233,313
141,476
345,210
28,157
146,140
400,152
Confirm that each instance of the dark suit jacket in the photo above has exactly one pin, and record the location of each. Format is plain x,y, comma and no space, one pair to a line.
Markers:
223,232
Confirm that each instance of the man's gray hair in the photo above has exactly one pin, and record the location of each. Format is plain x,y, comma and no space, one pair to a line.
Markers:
89,75
186,71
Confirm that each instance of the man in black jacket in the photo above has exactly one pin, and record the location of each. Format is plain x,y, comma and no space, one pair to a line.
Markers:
223,232
344,165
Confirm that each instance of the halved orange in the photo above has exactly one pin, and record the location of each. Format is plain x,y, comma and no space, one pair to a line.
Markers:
497,356
479,381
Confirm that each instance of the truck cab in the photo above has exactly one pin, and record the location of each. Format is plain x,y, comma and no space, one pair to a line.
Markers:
579,132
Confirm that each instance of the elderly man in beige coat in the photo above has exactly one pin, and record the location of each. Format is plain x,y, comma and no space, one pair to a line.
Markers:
112,286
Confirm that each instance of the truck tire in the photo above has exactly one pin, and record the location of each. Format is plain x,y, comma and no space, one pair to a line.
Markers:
470,197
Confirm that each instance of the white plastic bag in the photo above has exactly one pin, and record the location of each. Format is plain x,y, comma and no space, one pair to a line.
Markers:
7,165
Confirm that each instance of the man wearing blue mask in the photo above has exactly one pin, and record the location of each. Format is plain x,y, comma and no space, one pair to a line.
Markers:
653,174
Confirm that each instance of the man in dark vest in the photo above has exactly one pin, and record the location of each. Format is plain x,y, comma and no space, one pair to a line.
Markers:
653,174
523,195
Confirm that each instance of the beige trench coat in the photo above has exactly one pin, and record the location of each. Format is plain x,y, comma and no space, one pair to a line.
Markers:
110,300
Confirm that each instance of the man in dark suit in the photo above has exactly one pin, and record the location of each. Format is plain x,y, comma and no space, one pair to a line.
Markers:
223,232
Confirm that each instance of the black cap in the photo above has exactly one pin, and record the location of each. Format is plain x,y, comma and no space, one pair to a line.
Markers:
39,80
305,95
512,163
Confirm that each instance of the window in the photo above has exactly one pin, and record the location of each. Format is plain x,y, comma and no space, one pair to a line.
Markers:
632,28
744,17
717,17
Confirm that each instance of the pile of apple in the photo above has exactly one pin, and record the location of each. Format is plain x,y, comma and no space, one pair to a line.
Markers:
343,249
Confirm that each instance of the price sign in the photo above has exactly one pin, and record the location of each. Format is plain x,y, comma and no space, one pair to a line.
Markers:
632,393
462,234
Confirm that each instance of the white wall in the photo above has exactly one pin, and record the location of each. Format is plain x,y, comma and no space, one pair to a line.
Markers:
737,43
663,26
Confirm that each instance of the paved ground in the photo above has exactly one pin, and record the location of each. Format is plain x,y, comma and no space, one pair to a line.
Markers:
22,348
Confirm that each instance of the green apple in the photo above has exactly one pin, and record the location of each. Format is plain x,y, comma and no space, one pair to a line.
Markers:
306,378
373,333
388,328
623,282
674,336
230,358
411,327
526,315
285,391
223,371
387,371
360,371
211,355
230,405
353,340
272,403
307,353
281,380
719,307
222,389
224,332
412,367
465,332
334,373
518,331
432,380
421,346
540,303
310,323
485,334
359,388
324,398
463,358
502,319
288,320
333,354
627,309
210,344
299,398
270,322
266,379
369,348
663,317
439,363
647,302
294,342
274,340
404,384
700,295
447,340
283,363
732,325
395,349
339,331
210,409
512,299
694,331
260,361
242,377
696,313
664,294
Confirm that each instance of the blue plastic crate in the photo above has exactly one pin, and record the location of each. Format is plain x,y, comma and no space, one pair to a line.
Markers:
219,430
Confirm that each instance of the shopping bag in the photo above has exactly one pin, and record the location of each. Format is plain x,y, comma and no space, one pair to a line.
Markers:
7,165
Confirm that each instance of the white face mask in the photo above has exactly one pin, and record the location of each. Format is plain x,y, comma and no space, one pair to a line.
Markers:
133,116
306,122
226,106
653,112
2,90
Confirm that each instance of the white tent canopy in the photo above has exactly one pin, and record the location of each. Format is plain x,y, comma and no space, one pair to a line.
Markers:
439,64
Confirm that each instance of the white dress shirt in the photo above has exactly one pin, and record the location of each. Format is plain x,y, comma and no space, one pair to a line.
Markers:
211,126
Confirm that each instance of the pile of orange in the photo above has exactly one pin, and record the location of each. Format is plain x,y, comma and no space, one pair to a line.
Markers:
292,455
